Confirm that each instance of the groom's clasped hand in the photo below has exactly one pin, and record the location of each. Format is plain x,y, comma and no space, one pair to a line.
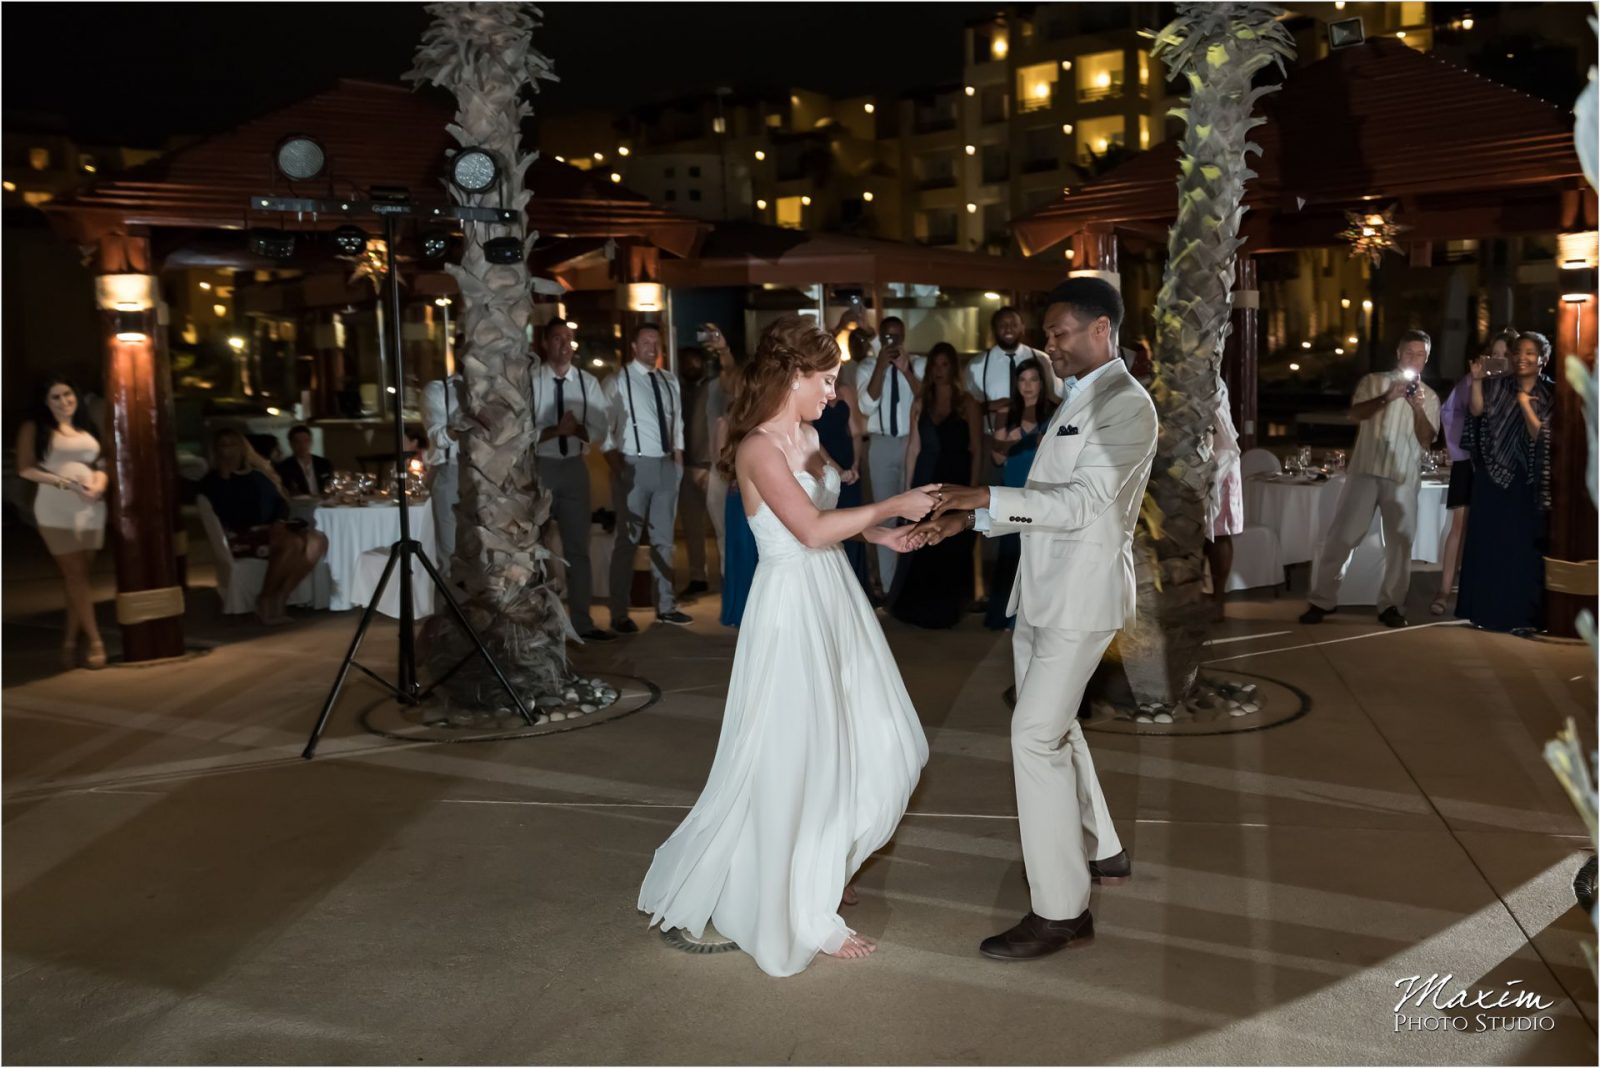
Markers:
947,515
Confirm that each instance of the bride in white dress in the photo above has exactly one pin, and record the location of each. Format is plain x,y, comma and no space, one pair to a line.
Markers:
820,747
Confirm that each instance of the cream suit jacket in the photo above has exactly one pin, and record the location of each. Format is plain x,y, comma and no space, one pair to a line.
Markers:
1077,513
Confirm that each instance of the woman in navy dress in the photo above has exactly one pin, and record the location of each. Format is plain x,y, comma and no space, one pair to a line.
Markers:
738,543
837,432
1508,435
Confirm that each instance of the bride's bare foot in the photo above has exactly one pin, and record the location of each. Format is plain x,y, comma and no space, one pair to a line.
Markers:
850,897
855,948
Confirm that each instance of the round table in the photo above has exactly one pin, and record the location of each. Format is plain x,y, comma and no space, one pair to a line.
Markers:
1299,511
354,529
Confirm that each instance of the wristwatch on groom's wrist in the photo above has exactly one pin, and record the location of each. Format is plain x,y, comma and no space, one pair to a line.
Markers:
972,518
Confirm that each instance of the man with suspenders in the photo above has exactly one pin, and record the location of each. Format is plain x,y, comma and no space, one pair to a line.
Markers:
570,417
645,453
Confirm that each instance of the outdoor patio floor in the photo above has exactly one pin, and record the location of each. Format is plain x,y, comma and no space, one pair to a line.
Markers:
180,887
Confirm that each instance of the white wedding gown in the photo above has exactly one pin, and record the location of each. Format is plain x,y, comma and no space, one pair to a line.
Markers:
819,752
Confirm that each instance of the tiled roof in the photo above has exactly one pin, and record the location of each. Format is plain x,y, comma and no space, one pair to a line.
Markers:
374,135
1380,121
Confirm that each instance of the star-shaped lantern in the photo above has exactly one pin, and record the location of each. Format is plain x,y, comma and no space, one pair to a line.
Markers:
1372,233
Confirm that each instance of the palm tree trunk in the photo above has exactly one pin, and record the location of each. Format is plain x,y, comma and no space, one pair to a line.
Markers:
483,54
1219,48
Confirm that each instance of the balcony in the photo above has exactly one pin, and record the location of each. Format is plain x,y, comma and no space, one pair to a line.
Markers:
1106,85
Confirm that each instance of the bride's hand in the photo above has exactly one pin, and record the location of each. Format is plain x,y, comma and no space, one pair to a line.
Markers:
917,503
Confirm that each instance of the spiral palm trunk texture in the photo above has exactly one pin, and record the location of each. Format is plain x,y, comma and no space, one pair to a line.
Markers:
483,54
1219,49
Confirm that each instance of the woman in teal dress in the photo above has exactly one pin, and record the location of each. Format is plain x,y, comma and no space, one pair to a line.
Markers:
1032,406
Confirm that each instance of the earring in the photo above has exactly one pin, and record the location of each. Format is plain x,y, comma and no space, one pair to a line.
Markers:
795,386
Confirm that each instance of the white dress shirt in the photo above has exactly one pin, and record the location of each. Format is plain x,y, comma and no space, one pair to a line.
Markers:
989,374
635,428
440,412
1386,444
883,415
582,396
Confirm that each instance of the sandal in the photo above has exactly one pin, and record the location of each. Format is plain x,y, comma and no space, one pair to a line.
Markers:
1437,607
97,656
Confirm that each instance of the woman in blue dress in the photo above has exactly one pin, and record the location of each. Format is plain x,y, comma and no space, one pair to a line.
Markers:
738,543
1032,406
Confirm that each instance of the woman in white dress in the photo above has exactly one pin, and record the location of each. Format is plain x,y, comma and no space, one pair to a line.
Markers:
59,449
820,747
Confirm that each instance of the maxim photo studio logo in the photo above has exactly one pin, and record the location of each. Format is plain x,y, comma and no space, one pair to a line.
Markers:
1475,1010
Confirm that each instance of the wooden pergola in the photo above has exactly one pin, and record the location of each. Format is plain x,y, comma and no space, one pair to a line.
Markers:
190,208
1367,127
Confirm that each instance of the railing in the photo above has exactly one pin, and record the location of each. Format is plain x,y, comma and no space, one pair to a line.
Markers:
1090,93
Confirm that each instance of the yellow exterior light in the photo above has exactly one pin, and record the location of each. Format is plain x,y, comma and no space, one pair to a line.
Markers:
869,108
1066,64
599,157
972,209
761,205
760,155
999,48
622,150
1366,305
1345,302
805,201
867,196
1066,128
972,150
615,177
971,90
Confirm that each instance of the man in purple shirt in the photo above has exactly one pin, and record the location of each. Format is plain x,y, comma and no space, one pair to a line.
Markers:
1453,414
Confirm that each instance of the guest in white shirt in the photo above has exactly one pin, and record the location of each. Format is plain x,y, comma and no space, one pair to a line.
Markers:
989,378
443,421
887,385
645,453
1399,418
570,417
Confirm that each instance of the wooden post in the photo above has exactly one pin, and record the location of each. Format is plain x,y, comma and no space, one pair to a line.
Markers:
1242,355
150,600
1572,513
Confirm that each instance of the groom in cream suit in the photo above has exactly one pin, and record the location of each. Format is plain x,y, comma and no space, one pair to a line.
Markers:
1074,590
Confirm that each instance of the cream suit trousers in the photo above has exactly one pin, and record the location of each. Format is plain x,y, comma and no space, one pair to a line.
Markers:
1065,822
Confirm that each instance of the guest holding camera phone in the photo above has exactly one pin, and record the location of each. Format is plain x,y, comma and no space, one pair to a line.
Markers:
250,504
1399,418
59,448
1454,413
1508,435
893,379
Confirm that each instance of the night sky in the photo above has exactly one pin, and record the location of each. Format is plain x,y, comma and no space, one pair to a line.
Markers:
139,73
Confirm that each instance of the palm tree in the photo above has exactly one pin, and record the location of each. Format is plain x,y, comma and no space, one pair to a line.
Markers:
1219,48
483,54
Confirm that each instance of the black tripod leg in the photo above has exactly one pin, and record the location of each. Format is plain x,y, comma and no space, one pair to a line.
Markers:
349,657
461,618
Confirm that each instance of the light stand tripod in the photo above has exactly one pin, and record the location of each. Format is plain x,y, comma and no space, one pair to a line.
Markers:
407,689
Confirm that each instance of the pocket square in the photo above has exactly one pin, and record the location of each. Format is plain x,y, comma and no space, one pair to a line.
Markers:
1066,431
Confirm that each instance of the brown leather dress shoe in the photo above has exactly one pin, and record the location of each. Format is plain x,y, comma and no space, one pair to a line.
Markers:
1036,937
1112,870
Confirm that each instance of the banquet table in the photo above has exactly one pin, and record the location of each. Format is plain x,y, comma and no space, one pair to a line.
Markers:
355,529
1302,511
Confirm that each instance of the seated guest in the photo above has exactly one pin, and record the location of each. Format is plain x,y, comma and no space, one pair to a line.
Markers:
266,446
303,474
1508,436
249,502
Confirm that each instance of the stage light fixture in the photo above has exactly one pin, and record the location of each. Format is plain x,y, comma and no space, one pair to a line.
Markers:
350,240
503,250
435,244
299,158
474,170
272,244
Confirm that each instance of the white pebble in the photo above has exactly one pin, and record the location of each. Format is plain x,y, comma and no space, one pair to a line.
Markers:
1163,717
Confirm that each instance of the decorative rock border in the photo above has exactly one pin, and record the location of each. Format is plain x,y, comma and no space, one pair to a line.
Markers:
1224,702
588,702
682,940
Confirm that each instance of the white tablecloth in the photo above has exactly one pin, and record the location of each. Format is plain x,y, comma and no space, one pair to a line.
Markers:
352,531
1298,512
1302,512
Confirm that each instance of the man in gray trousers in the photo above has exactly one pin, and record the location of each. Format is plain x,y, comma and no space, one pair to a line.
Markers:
645,453
570,417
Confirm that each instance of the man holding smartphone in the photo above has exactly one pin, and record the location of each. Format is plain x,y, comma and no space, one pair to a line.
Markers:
887,386
1399,418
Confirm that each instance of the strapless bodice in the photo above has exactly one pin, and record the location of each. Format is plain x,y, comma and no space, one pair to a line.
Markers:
774,541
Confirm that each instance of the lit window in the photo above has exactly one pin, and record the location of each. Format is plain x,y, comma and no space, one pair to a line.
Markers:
719,125
1100,76
1036,86
999,47
1144,131
39,159
36,198
1097,136
791,213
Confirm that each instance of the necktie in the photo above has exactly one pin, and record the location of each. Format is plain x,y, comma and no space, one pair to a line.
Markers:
661,415
894,402
561,407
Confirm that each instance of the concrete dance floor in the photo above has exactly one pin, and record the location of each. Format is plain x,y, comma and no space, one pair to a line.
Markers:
181,888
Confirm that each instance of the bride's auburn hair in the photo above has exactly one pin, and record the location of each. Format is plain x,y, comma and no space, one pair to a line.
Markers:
791,346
